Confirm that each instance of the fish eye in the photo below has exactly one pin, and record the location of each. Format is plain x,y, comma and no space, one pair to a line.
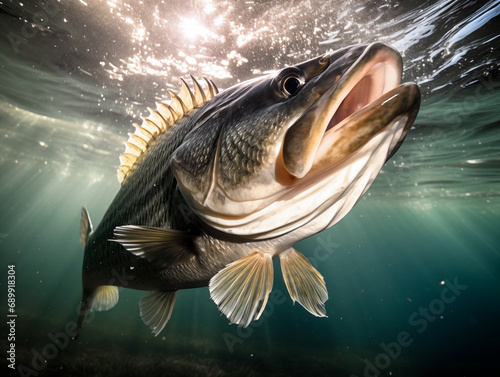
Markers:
292,84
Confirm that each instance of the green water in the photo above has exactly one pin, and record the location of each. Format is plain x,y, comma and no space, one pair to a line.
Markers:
382,264
413,271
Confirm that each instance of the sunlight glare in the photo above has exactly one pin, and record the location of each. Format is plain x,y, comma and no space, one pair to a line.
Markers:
192,28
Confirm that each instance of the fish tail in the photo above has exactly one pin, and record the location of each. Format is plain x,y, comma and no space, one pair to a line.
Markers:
88,294
86,305
104,297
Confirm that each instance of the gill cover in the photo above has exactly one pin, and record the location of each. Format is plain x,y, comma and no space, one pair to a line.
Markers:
229,164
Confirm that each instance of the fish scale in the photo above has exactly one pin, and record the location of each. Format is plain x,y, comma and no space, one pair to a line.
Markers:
215,185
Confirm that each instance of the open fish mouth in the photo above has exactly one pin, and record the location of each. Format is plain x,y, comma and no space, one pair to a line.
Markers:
358,105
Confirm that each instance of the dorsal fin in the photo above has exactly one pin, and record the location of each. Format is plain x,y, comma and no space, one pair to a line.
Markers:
159,120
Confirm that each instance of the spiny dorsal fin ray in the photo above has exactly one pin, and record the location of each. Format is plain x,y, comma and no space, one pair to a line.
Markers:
162,246
127,159
199,94
177,104
133,149
156,309
161,119
148,124
211,87
140,137
304,283
157,119
186,96
85,226
167,113
105,298
242,288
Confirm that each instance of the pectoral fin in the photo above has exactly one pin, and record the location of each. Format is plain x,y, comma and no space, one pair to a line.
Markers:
242,288
304,283
156,309
167,247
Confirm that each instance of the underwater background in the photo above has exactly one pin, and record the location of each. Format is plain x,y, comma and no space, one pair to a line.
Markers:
413,271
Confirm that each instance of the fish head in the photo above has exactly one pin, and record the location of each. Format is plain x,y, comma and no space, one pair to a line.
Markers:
296,149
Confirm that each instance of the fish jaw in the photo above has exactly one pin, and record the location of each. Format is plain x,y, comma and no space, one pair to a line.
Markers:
333,137
377,71
354,132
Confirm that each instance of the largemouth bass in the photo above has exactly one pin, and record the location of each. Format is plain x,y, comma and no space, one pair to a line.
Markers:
215,185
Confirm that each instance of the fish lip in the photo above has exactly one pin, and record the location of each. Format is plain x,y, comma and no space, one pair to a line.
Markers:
354,132
378,70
